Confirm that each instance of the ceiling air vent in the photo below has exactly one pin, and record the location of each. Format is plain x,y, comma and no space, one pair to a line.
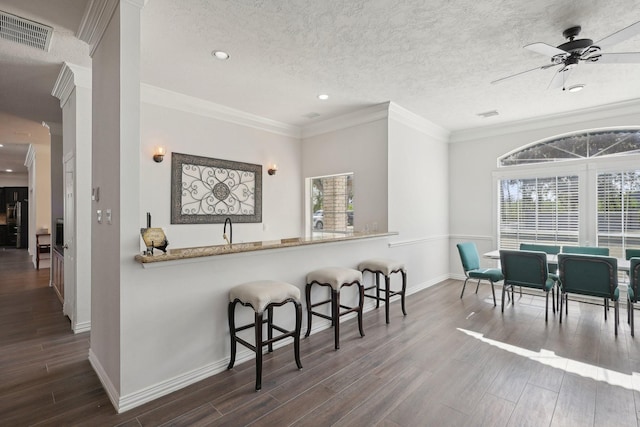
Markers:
487,114
25,32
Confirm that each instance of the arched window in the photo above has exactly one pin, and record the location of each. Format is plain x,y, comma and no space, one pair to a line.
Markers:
595,202
581,145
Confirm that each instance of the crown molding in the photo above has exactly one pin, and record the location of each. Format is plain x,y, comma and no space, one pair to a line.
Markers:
417,122
97,16
616,109
177,101
54,128
95,20
31,156
70,77
358,117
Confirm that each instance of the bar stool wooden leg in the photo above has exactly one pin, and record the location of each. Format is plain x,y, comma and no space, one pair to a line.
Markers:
232,332
404,291
296,337
258,332
270,327
387,286
307,293
360,308
335,313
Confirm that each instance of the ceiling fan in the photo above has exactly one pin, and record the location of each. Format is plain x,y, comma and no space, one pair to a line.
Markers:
569,54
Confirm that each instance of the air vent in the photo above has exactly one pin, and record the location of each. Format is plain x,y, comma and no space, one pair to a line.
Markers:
25,32
488,114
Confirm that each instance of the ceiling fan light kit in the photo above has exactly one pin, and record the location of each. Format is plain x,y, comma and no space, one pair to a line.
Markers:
569,54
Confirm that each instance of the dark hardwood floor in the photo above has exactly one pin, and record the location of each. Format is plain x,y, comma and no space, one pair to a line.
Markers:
449,362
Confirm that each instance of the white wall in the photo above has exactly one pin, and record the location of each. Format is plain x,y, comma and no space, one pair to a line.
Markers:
57,181
39,164
418,197
14,180
74,91
196,134
473,158
106,330
361,149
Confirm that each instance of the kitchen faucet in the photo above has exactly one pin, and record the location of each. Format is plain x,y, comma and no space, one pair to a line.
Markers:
224,232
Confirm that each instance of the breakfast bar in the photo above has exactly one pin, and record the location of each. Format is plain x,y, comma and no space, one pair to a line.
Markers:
182,299
235,248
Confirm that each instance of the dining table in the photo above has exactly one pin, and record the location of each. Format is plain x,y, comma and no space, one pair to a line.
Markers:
552,259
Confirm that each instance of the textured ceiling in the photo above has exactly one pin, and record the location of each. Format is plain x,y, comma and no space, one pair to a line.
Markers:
435,58
27,76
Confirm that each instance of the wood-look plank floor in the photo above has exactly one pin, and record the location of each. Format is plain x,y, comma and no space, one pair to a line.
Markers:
450,362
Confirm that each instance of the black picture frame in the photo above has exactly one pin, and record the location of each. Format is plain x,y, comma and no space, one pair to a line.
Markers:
205,190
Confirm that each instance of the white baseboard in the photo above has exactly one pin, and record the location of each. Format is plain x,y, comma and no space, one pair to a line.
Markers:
81,327
427,284
108,386
140,397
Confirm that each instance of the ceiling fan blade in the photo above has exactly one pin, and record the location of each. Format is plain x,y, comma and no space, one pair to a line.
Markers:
560,78
545,49
615,58
544,67
620,35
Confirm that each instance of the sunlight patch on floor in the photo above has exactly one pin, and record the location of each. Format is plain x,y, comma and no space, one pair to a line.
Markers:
549,358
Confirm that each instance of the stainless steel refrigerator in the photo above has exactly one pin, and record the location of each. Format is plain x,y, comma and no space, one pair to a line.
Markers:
22,224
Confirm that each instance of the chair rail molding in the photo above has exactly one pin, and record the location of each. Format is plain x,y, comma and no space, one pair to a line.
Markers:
418,241
471,237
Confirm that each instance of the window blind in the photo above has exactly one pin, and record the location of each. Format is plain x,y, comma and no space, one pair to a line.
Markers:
619,211
538,210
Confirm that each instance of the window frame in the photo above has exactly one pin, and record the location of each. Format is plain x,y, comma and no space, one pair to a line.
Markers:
587,171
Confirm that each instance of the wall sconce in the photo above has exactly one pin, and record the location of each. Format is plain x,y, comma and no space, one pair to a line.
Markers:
158,156
273,169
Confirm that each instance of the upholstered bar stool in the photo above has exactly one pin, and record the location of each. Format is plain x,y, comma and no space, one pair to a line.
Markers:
335,278
385,267
264,295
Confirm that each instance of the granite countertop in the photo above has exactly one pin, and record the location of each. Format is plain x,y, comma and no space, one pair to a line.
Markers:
205,251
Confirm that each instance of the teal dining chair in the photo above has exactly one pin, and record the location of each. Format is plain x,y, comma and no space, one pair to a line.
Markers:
585,250
633,289
472,270
590,275
550,250
526,269
631,253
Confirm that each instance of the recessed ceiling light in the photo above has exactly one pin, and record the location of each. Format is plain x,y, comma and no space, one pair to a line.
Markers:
1,145
323,96
575,88
9,170
220,54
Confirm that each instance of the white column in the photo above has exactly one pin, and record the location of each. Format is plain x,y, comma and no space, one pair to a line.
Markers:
73,88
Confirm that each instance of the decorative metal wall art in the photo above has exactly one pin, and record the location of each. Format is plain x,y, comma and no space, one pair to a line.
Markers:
207,191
